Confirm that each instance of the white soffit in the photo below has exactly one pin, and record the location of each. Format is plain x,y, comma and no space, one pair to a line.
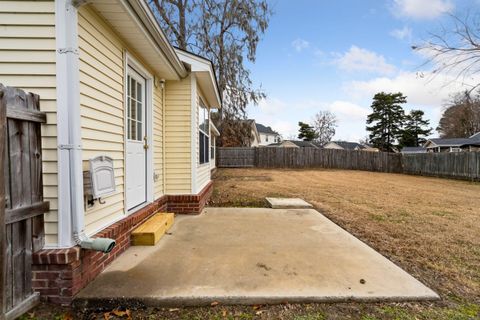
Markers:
203,70
120,15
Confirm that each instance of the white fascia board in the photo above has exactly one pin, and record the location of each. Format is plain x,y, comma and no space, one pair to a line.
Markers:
144,13
202,65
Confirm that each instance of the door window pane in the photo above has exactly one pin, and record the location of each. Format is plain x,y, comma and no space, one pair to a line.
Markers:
135,104
139,131
139,111
133,93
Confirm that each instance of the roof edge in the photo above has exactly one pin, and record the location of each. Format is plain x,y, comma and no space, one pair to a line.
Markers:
211,67
145,14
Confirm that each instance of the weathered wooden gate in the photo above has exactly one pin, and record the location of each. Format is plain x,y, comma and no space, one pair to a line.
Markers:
21,197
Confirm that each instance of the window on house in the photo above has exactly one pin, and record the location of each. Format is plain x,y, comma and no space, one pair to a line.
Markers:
266,138
204,129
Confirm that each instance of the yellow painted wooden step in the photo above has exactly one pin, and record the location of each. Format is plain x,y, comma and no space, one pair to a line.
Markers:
150,232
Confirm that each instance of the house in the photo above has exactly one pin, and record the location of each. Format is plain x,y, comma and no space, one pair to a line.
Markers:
254,134
413,150
295,144
112,87
267,135
453,144
254,139
345,145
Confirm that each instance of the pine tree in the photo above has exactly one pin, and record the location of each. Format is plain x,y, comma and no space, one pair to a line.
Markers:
306,132
386,120
415,129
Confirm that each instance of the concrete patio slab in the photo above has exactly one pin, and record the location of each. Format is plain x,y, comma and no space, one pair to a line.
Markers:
252,256
288,203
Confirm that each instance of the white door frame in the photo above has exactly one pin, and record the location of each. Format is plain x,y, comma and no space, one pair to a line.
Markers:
131,62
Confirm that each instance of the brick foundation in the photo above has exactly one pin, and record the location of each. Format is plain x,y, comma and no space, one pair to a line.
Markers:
59,274
190,204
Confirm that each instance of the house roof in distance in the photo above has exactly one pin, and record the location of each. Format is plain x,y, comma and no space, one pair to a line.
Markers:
452,142
304,144
476,137
298,143
349,145
264,129
414,149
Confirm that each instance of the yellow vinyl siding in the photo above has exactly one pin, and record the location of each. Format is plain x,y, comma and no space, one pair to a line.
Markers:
102,110
102,72
178,107
203,170
27,61
157,142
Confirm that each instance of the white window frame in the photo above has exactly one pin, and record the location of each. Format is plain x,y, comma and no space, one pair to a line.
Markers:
202,105
131,62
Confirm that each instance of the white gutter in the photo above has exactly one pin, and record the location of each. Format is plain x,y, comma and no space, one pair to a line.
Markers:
71,222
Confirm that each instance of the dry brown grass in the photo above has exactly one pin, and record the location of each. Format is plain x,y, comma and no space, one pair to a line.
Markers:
429,226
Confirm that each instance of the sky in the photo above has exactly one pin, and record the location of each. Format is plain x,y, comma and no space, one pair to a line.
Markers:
335,55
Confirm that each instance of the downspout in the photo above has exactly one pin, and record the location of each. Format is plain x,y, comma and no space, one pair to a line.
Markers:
69,130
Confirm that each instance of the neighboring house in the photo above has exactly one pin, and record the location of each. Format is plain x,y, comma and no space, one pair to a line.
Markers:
111,85
255,140
344,145
267,135
454,144
254,136
410,150
295,144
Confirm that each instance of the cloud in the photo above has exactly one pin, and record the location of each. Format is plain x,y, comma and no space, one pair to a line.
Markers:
348,111
362,60
422,9
300,44
272,106
402,34
422,89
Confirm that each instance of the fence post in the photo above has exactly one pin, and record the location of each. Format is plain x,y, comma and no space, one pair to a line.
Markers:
3,122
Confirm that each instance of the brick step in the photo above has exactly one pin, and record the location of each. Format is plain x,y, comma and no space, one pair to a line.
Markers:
150,232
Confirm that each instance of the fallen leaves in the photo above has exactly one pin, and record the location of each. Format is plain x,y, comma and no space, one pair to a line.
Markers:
118,313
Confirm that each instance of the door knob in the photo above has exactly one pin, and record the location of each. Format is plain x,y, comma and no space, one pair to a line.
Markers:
145,144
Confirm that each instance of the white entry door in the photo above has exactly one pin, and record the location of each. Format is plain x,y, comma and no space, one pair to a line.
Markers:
136,166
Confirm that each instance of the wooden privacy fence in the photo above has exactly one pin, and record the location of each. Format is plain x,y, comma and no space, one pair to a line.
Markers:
236,157
458,165
464,165
308,158
21,194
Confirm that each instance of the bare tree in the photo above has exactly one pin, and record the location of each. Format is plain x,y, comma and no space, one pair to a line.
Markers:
324,124
172,16
461,117
455,50
227,32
